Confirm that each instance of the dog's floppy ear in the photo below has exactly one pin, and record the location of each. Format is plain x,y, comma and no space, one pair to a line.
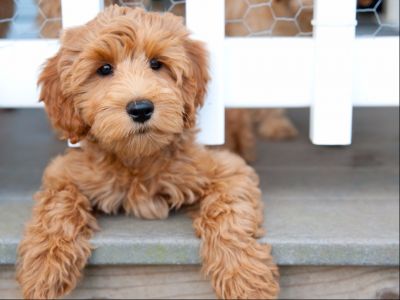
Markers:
60,108
198,78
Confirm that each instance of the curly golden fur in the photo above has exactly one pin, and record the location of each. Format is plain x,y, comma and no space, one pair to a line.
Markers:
240,132
144,169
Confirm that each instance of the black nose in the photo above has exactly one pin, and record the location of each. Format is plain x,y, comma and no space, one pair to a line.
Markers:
140,110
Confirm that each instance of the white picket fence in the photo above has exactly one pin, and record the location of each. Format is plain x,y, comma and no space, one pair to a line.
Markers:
331,72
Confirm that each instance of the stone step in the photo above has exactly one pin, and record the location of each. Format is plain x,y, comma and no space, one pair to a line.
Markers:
324,205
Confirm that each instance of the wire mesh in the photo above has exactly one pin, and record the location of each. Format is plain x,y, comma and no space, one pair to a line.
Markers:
268,17
377,17
21,19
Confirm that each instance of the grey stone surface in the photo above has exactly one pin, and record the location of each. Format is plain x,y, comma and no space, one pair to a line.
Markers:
324,205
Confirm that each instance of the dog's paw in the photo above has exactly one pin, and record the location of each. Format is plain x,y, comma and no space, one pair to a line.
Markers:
252,275
48,275
280,128
254,281
40,282
49,267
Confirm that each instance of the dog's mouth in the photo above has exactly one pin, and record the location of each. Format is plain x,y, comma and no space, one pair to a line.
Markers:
143,130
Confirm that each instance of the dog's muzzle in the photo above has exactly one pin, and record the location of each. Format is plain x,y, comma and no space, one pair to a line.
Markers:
141,110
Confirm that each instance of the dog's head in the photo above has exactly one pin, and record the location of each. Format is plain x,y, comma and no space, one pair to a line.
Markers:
129,79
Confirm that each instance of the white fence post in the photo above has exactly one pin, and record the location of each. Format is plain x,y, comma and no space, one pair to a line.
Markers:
334,36
211,30
254,71
78,12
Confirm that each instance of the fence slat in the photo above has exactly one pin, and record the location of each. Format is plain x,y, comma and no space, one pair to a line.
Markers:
77,12
253,72
211,30
334,37
251,77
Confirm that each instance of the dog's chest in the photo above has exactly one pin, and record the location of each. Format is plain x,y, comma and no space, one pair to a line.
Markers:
146,193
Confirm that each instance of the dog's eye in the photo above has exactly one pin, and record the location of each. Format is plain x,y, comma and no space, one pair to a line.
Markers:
155,64
105,70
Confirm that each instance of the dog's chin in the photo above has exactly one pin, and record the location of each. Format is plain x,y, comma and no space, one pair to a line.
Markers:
143,142
143,130
118,135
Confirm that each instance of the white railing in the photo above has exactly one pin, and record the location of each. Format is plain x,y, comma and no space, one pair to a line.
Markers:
330,72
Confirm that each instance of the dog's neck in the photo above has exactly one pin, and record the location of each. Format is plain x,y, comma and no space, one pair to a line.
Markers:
162,156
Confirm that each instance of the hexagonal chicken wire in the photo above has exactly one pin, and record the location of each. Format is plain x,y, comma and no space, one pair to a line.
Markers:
268,17
49,18
175,6
7,15
372,17
42,18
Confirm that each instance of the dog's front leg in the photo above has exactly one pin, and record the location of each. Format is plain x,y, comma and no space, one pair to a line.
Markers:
55,246
229,221
274,124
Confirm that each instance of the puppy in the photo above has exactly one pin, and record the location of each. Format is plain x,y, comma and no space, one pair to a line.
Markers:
127,86
240,133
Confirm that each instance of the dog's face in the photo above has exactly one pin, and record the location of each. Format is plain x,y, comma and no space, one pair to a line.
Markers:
130,80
